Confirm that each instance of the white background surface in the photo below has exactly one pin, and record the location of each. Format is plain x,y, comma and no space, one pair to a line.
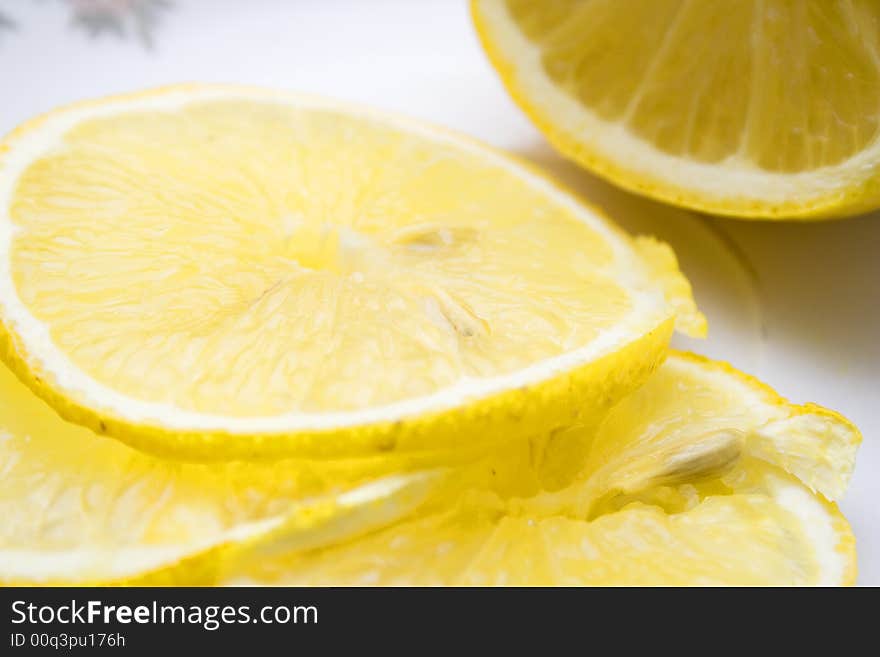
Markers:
796,305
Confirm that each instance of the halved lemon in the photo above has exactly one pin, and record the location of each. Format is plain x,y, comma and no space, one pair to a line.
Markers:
211,272
701,477
76,508
760,108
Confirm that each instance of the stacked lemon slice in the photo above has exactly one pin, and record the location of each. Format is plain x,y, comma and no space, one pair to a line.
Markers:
703,476
308,321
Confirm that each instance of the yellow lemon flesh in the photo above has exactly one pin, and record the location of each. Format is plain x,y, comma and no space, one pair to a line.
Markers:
77,508
752,108
221,272
701,477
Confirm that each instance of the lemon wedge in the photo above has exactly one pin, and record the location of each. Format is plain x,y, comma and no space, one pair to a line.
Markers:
768,109
211,272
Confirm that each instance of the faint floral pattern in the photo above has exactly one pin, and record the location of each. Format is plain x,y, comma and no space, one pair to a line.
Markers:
139,18
6,23
119,17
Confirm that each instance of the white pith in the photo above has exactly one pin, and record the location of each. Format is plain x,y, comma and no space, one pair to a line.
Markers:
818,525
734,178
649,309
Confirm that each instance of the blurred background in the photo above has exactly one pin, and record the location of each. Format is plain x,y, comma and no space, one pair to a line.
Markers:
797,305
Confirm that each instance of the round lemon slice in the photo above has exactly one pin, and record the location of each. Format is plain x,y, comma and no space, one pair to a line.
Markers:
79,509
219,272
768,109
701,477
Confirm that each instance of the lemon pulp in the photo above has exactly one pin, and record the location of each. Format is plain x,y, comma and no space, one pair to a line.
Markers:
77,508
703,476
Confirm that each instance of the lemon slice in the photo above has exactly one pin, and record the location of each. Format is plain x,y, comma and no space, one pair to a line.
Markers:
220,272
80,509
702,476
769,110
